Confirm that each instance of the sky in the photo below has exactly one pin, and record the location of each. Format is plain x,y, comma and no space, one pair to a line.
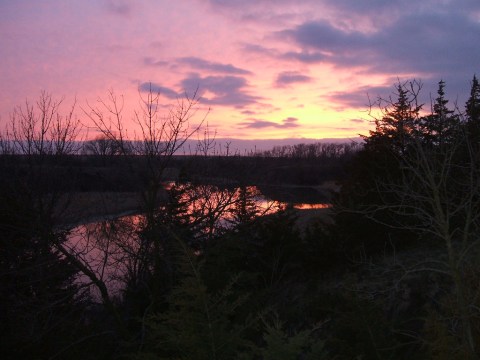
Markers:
264,69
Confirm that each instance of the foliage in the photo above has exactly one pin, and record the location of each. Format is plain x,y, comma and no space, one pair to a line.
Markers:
280,345
198,324
434,196
38,297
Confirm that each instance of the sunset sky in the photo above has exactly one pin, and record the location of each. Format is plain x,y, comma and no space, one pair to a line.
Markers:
267,69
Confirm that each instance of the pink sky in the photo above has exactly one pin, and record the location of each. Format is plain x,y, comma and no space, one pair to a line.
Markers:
266,69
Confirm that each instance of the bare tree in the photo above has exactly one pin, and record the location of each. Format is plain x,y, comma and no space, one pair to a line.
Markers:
101,146
149,150
41,129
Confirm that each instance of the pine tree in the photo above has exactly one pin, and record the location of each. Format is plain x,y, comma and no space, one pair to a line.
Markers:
198,324
472,112
399,123
245,209
39,301
440,127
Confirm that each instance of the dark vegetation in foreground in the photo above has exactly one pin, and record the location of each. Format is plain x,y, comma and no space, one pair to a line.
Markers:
394,276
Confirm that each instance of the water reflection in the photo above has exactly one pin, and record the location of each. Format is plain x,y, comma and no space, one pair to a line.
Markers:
312,206
105,247
118,252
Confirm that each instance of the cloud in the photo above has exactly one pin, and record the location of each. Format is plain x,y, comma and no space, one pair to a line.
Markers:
291,77
359,97
119,7
259,50
371,6
202,64
149,61
429,43
147,87
429,37
220,90
304,56
287,123
323,36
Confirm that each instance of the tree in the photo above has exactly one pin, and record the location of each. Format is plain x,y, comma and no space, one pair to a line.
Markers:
159,137
41,305
472,112
41,129
398,125
434,199
396,131
439,128
102,146
198,323
445,202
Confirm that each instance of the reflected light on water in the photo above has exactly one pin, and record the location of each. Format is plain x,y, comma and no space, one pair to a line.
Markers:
311,206
109,248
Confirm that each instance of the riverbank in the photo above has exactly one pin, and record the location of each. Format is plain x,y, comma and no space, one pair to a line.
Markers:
85,207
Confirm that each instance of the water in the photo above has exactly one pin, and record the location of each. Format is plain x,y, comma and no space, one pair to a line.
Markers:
111,248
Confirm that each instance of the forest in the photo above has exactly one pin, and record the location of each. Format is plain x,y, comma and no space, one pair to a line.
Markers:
389,270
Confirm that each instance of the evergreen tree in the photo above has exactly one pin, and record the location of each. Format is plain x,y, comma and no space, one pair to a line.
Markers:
245,209
472,112
40,305
198,323
396,131
440,127
399,123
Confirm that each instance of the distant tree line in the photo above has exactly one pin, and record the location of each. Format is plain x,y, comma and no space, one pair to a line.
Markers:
318,150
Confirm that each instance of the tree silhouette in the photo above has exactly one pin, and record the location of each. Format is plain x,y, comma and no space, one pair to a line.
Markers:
40,303
472,112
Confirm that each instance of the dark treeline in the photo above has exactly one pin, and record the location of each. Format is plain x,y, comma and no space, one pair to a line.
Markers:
319,151
392,275
302,164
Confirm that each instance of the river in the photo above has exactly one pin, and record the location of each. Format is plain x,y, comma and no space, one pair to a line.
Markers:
110,247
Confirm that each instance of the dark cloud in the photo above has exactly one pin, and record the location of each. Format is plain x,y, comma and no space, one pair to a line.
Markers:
152,62
360,97
202,64
438,43
259,49
369,6
287,123
431,44
147,87
402,7
226,90
119,7
323,36
290,120
291,77
304,56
